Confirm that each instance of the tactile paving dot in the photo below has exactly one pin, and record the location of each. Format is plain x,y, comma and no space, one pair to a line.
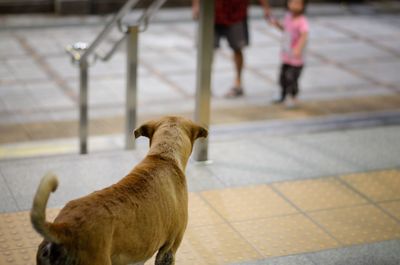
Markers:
248,203
317,194
200,213
357,225
286,235
25,256
379,186
392,207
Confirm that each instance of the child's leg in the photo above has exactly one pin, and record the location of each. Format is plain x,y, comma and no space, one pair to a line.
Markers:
296,75
283,82
292,77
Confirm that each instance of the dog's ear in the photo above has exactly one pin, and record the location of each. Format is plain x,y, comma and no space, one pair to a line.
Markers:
200,131
146,130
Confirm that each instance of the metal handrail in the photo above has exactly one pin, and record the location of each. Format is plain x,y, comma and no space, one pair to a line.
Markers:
80,52
122,12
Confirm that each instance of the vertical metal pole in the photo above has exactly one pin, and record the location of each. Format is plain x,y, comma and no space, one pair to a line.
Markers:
131,85
203,76
83,106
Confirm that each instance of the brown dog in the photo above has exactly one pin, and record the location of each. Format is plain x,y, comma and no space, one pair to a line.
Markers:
128,222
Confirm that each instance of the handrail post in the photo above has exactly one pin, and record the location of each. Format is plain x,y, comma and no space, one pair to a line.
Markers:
205,52
83,106
131,84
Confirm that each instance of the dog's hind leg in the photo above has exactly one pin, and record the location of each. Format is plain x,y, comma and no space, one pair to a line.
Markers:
165,258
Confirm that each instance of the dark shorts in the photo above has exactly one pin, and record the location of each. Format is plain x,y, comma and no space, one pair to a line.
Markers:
236,34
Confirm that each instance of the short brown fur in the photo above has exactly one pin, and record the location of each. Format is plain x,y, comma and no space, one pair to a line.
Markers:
130,221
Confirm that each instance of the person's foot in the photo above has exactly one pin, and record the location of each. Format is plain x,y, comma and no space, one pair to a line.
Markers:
292,103
235,92
278,101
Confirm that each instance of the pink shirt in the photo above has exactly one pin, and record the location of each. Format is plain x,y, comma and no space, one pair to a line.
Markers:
293,27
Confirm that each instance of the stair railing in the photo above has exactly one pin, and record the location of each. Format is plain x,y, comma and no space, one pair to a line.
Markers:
85,55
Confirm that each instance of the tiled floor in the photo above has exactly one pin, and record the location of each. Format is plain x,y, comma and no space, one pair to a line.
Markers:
245,224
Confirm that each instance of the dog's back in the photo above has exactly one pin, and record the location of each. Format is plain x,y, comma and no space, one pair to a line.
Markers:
129,221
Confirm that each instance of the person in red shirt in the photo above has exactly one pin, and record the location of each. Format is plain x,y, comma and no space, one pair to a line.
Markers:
231,24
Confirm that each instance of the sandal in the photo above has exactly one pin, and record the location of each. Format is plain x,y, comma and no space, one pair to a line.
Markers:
235,92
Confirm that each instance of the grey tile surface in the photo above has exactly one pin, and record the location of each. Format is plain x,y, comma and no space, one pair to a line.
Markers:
288,260
382,71
350,51
355,152
383,253
78,176
200,178
7,201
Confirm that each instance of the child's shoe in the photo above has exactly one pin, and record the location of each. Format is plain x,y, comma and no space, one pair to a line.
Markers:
292,103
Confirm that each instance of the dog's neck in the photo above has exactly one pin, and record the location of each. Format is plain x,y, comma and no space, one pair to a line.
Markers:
172,147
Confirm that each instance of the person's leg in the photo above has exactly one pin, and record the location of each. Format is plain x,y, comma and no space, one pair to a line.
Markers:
292,76
282,84
238,60
296,75
237,37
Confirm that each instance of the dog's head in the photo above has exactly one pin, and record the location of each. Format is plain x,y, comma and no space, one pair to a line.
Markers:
166,124
172,128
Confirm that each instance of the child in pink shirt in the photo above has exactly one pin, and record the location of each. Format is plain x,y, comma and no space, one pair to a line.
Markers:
295,34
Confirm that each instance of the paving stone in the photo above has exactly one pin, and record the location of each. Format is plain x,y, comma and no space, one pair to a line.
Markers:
76,177
288,260
350,51
385,253
385,72
7,201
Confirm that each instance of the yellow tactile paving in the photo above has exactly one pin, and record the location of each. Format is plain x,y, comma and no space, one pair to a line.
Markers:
200,213
24,256
279,236
241,224
217,244
16,230
248,203
317,194
356,225
392,207
378,186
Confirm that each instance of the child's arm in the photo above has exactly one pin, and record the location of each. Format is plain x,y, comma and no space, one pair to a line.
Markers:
298,50
274,22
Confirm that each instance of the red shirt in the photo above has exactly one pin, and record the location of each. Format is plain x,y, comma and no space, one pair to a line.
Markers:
228,12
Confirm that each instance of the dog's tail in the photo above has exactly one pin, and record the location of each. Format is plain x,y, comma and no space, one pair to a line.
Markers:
47,185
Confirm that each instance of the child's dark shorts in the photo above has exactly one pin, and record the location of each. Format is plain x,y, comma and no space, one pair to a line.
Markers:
236,34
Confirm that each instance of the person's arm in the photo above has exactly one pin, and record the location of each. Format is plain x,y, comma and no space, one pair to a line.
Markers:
195,9
266,8
298,50
276,23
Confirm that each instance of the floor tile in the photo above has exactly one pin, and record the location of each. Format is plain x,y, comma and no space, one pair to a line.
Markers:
199,177
280,236
288,260
218,244
25,256
383,253
16,231
378,186
319,194
200,213
357,225
248,203
392,207
7,201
